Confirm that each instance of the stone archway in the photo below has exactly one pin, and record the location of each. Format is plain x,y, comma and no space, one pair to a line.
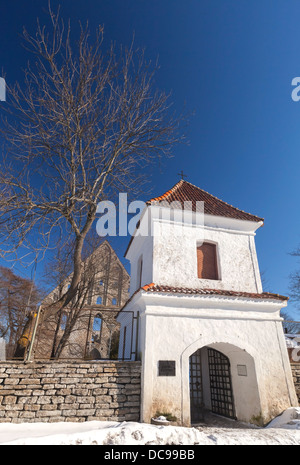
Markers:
236,390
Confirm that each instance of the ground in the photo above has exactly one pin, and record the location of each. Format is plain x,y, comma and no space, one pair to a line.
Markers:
284,430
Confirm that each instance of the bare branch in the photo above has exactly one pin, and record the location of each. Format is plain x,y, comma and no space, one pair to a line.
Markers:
86,123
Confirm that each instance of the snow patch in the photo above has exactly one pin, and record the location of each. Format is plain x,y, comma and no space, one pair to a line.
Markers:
283,430
290,419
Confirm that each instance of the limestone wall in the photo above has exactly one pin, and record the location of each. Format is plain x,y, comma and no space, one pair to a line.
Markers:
56,391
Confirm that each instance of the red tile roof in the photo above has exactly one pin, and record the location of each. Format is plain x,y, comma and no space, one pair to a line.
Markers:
182,290
206,292
185,191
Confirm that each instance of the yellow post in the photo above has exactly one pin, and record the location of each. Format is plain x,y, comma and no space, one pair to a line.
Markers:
33,335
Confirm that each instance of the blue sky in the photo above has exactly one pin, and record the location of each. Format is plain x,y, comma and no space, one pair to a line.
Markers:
232,63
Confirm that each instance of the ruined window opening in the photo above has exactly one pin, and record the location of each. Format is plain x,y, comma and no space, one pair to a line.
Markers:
63,322
96,331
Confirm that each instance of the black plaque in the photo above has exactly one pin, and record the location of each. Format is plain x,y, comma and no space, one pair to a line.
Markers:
166,368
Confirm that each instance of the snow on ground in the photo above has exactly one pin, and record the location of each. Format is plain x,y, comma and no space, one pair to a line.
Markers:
284,430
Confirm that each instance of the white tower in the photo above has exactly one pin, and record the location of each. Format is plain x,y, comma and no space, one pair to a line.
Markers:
208,337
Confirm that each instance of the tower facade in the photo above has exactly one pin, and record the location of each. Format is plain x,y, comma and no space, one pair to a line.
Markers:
209,338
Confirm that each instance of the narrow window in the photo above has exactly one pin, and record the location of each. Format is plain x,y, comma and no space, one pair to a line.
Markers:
99,300
140,273
124,343
114,301
90,292
207,261
63,322
96,331
90,295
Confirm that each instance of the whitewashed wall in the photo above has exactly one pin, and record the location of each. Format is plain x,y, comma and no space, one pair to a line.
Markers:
174,326
170,254
247,332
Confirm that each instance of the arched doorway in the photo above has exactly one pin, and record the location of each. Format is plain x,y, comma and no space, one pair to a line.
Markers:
210,384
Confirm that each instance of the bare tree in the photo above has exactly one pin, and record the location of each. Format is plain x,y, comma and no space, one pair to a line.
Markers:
295,289
295,280
18,298
81,129
290,326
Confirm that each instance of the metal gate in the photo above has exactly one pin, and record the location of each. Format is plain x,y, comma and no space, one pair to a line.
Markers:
196,391
220,384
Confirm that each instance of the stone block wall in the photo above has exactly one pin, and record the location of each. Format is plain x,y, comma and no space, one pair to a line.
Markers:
69,391
296,376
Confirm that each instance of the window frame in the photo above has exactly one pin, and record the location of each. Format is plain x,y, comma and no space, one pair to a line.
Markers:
217,259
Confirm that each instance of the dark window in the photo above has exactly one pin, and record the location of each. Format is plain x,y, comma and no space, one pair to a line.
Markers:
124,343
140,273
